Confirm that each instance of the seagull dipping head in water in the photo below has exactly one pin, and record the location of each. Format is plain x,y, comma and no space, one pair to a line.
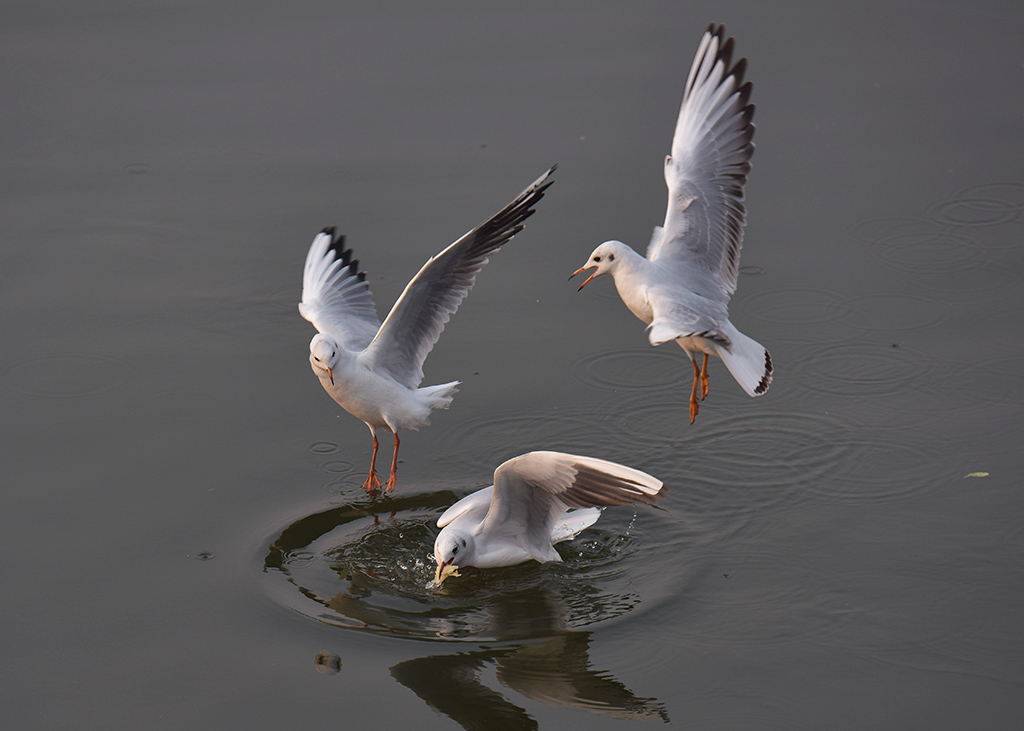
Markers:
681,289
527,510
374,370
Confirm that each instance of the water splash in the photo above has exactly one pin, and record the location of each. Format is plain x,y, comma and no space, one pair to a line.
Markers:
368,565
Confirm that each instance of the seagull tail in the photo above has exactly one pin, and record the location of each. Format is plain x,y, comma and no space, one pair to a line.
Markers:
748,361
440,397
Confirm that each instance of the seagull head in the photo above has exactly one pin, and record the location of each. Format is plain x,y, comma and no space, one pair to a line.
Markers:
602,260
323,355
452,548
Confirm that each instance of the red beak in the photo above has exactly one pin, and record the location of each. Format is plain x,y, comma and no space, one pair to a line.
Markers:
331,373
579,271
437,573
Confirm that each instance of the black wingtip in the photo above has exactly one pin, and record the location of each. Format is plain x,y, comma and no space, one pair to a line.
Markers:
337,248
766,379
543,186
726,45
337,244
739,70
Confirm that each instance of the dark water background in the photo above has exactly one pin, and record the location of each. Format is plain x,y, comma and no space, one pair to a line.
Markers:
182,526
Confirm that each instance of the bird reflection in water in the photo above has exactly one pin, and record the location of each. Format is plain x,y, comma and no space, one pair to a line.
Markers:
364,566
553,669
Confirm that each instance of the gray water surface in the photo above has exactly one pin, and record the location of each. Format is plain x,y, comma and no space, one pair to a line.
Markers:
186,542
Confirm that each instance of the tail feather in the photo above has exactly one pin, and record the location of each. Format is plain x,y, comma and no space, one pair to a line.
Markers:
748,362
440,397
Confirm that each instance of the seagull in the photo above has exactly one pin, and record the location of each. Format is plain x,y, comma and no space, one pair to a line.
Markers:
374,370
681,289
526,510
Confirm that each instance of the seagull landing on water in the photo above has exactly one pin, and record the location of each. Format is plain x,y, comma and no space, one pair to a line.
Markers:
526,510
374,370
682,288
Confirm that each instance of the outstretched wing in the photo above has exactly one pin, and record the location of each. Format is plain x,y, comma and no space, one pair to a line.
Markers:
435,293
707,170
533,491
474,504
335,295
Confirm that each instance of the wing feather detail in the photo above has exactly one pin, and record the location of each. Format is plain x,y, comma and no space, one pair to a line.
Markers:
416,321
708,167
533,491
335,295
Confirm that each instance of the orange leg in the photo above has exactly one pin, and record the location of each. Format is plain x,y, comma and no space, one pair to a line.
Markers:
372,482
703,378
394,468
694,404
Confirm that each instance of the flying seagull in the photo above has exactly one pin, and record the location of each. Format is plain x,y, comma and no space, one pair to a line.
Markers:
374,370
681,289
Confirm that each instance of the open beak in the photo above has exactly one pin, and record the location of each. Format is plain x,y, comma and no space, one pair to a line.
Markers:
330,373
444,570
580,271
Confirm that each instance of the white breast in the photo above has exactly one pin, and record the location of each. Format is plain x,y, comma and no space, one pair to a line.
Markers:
632,289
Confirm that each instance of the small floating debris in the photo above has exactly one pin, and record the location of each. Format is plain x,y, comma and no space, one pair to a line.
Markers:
977,474
328,662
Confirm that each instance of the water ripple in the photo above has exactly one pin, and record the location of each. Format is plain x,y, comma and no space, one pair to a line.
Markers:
337,466
796,306
997,379
974,212
737,465
887,464
324,448
366,566
988,204
757,599
478,442
866,369
930,252
897,311
959,247
631,370
65,375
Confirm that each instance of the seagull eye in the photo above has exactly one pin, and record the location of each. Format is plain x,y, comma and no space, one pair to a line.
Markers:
597,258
455,550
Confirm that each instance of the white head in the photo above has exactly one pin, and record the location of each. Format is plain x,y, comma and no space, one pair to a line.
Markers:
603,260
452,548
323,355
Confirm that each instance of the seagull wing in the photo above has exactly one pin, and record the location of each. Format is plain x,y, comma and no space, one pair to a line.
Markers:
474,505
706,172
533,491
435,293
335,295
